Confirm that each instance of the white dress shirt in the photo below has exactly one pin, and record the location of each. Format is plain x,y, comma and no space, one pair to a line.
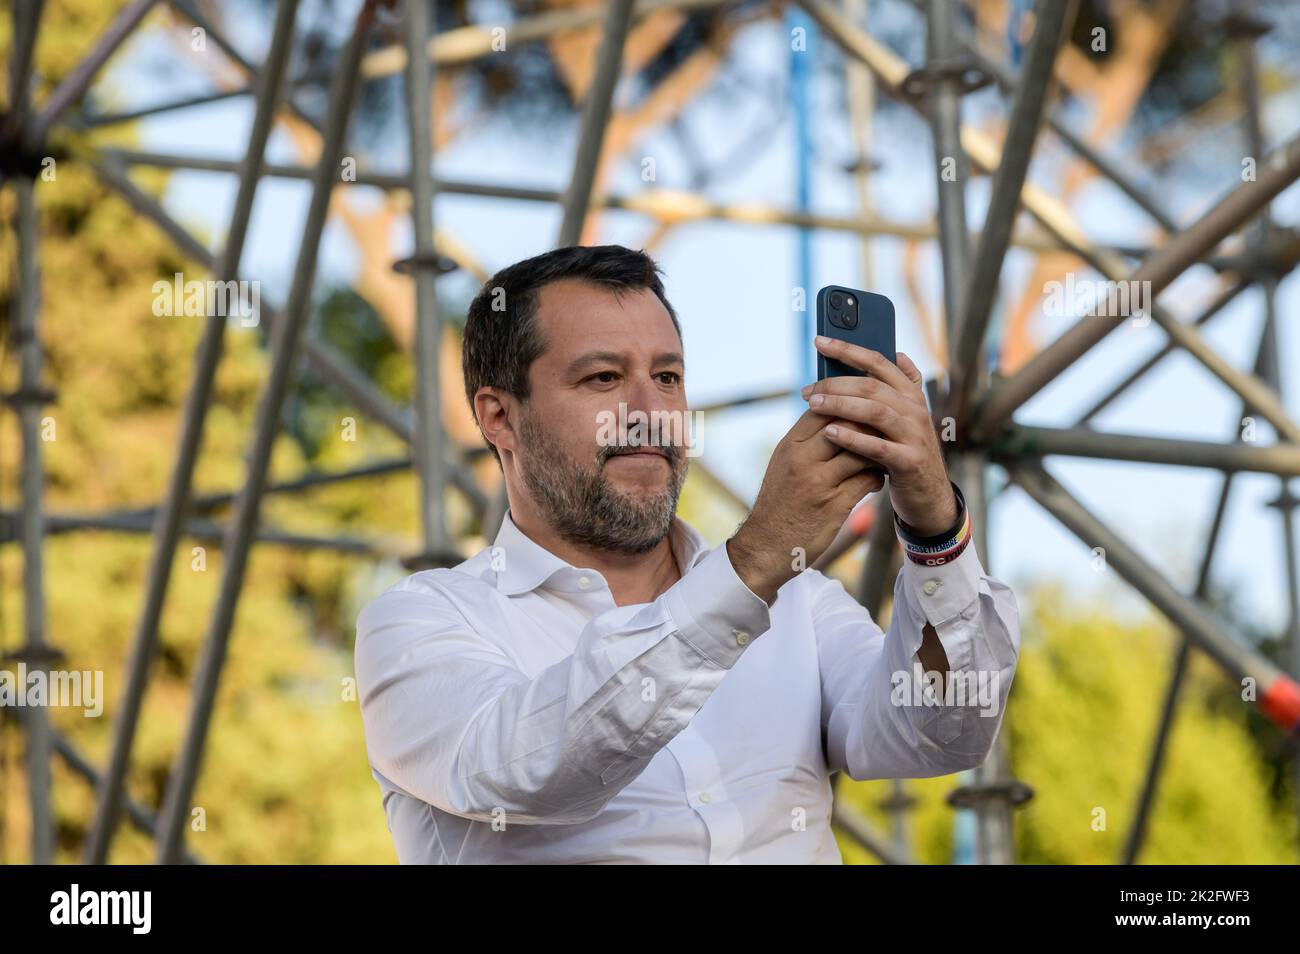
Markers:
514,714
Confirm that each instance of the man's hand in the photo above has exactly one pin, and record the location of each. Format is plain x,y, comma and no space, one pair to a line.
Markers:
884,419
810,486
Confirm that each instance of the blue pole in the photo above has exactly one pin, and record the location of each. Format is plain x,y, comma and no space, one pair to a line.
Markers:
963,830
801,32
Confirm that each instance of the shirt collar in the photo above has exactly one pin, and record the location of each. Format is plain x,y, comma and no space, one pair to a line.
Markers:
525,565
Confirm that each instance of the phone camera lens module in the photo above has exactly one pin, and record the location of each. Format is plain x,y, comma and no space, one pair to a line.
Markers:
837,300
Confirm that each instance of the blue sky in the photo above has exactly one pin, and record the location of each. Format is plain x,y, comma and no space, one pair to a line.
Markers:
732,284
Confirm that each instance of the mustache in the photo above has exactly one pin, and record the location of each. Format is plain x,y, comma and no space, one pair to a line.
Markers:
671,452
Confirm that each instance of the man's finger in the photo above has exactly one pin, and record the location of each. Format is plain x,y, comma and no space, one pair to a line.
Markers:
858,486
875,449
845,464
864,359
861,387
807,426
810,431
828,448
874,413
910,369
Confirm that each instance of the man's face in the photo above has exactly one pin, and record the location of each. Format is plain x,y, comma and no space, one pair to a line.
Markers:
600,351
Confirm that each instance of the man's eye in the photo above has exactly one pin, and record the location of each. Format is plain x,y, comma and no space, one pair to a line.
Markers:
670,377
604,377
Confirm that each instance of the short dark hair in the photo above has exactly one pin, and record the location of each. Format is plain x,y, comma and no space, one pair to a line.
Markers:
502,337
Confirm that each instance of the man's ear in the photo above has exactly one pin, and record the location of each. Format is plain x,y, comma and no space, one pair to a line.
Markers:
494,409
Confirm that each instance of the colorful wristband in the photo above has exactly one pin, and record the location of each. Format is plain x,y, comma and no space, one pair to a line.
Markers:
943,547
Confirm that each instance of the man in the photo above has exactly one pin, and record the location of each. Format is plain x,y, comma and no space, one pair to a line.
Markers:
599,686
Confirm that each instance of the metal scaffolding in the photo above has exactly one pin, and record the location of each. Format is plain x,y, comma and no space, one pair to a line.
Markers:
983,406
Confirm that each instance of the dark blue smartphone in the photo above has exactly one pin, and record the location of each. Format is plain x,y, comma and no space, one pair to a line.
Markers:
858,317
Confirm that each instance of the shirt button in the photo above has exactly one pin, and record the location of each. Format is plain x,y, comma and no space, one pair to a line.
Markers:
742,637
705,797
930,587
584,582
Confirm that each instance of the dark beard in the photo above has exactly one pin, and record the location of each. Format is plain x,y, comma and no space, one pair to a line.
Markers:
584,508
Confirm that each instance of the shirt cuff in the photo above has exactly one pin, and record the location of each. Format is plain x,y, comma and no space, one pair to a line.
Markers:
947,591
715,611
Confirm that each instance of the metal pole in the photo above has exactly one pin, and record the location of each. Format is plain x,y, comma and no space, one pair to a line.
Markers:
1182,251
28,400
951,167
1146,799
1020,441
881,557
1050,24
892,72
283,347
189,11
468,43
208,502
353,383
56,523
1206,630
1160,268
1268,366
26,24
1286,504
860,90
171,515
334,368
1227,296
430,439
1137,833
664,205
591,139
1006,78
990,796
860,830
76,83
993,792
141,819
799,77
595,117
95,121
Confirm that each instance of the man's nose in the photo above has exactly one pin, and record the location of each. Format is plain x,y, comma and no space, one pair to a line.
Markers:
645,394
661,412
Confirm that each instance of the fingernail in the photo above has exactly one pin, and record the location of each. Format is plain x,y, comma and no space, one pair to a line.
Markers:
832,431
817,400
822,340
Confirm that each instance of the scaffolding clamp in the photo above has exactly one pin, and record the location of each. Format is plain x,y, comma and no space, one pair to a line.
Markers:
969,74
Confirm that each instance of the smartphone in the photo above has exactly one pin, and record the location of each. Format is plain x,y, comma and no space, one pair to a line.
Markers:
858,317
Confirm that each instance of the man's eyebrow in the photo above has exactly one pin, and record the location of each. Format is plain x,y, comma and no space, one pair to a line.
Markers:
612,357
594,357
